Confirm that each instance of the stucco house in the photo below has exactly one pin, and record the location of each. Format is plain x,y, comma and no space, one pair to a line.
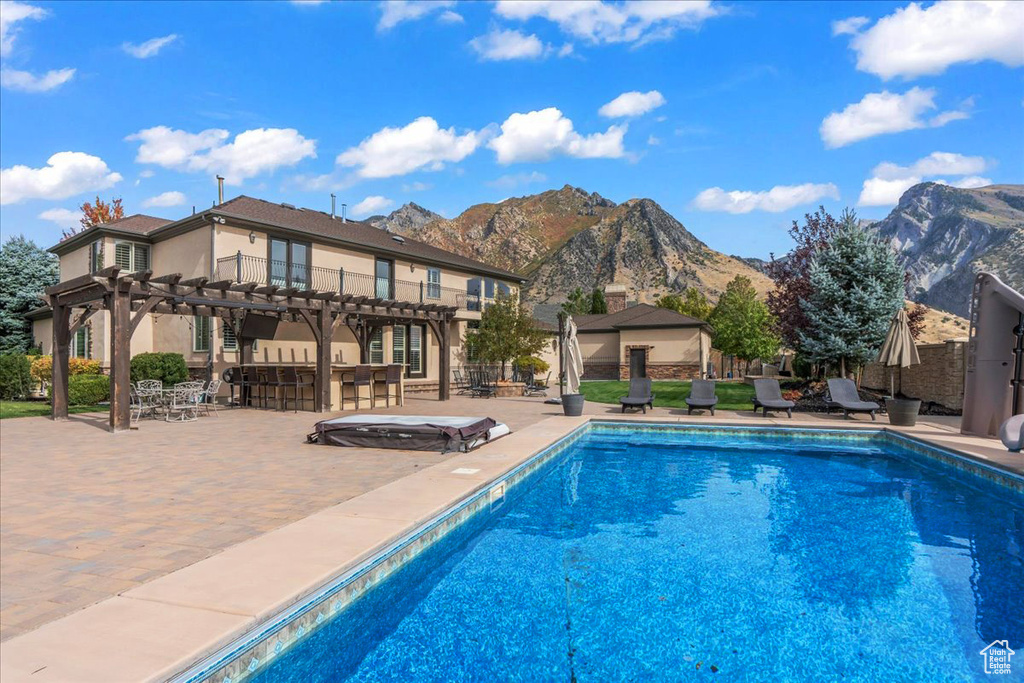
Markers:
249,240
641,340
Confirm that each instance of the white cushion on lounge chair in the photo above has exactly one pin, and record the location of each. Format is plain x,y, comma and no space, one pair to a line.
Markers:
1012,433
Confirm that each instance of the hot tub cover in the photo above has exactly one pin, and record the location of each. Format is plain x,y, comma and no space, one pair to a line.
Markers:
408,432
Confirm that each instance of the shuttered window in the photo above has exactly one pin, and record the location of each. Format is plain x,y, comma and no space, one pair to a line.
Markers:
131,256
377,347
201,333
228,339
433,283
81,344
398,345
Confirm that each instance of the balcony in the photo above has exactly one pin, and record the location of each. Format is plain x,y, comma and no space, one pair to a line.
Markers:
261,271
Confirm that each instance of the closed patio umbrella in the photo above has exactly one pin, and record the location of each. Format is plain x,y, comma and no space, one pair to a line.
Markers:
574,358
899,349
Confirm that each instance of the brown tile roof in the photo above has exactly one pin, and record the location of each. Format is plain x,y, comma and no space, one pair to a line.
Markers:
639,316
356,233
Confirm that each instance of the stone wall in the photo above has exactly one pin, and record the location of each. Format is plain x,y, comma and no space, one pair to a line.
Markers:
601,370
938,379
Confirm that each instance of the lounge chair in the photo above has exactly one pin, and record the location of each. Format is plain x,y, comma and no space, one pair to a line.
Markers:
843,396
640,394
768,396
535,388
481,384
702,395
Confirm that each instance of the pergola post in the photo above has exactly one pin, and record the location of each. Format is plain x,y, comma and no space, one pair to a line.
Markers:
322,383
120,357
61,350
444,391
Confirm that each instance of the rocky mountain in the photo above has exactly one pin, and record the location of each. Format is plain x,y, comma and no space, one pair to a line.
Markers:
568,238
404,219
948,234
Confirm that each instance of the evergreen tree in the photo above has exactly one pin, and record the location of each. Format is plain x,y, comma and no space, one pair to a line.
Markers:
25,271
578,303
743,325
856,287
597,301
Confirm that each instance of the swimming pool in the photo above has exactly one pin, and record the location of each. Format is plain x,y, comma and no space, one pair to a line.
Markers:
662,554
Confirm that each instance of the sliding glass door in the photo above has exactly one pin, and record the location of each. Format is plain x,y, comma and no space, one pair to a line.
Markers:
385,279
288,263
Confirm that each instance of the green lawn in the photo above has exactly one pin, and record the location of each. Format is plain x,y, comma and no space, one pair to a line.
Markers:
731,395
37,408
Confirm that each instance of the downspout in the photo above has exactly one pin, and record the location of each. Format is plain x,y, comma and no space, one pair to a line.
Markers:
212,277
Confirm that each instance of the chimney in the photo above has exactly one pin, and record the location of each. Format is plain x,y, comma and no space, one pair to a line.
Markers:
615,295
343,212
332,205
220,189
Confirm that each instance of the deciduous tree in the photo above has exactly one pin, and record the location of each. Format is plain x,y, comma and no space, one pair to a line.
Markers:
94,214
507,331
692,302
598,305
744,327
578,303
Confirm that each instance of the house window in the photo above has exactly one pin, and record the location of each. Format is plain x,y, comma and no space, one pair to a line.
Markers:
384,271
408,347
433,283
288,263
81,343
201,333
229,342
398,354
472,330
504,289
131,256
488,288
473,291
96,256
377,347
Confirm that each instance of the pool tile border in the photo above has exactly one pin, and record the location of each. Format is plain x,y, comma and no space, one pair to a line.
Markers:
248,656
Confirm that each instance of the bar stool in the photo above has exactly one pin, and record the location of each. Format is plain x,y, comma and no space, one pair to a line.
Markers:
249,383
290,378
362,377
392,377
270,382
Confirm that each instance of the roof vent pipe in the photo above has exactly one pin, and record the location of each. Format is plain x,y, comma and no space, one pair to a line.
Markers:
220,189
332,205
343,212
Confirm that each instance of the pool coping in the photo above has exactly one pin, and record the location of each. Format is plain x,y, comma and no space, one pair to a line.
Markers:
179,625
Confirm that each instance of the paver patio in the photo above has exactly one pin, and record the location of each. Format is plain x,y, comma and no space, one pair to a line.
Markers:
87,515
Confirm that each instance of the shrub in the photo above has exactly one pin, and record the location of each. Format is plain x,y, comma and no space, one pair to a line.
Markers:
86,390
169,368
532,363
15,375
42,368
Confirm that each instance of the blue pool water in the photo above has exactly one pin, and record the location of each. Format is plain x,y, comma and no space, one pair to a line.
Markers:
640,555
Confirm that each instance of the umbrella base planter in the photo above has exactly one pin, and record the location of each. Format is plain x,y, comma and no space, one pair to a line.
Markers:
572,405
902,411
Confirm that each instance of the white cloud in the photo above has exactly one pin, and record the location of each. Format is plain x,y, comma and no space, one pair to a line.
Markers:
885,112
65,174
513,180
11,13
251,153
25,81
62,217
499,45
565,50
971,181
602,22
633,103
372,204
172,198
149,48
539,135
916,41
779,198
416,186
450,17
147,173
849,26
653,140
418,145
394,12
883,192
889,181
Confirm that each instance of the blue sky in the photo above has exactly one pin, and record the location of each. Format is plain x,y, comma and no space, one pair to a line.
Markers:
736,117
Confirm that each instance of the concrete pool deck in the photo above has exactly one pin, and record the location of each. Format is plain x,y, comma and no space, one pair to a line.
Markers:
184,541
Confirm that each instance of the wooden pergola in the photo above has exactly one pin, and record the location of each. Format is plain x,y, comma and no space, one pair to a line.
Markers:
130,297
